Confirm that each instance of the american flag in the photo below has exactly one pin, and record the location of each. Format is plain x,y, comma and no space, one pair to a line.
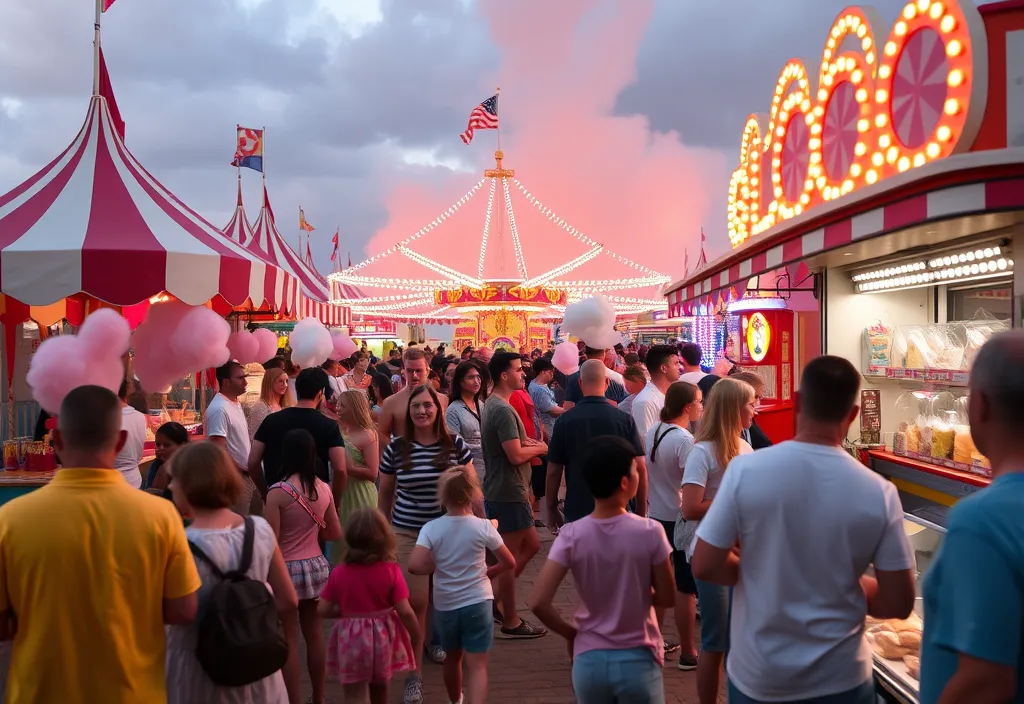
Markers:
483,117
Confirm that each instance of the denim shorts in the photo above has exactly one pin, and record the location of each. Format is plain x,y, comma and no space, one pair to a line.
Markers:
715,605
512,516
610,676
470,628
865,694
684,576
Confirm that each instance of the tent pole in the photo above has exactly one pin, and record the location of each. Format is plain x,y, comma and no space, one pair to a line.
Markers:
96,49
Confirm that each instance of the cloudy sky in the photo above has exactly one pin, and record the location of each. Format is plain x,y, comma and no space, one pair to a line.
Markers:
623,116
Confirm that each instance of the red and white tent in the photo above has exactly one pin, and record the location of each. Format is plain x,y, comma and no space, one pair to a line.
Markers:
239,229
314,293
94,221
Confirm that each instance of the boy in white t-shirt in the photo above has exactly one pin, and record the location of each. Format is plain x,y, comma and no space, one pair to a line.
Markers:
454,549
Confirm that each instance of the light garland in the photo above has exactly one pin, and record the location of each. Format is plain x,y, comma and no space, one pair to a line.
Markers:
422,301
368,300
564,268
516,244
599,286
388,282
656,302
553,217
487,229
431,226
457,277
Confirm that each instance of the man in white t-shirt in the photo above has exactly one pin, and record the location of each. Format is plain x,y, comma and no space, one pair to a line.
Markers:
690,355
225,425
663,366
133,423
809,520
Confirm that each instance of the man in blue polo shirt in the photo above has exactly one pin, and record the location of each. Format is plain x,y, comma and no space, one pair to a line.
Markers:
574,431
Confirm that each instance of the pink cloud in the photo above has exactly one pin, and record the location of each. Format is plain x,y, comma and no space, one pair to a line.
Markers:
643,194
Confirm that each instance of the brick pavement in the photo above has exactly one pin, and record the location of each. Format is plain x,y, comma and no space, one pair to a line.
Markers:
536,671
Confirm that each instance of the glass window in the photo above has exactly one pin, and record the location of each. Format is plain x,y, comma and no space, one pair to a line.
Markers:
992,301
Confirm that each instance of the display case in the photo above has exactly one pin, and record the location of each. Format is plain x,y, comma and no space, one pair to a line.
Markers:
940,351
896,644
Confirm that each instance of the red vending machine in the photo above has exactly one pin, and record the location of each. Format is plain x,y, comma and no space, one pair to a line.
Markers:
766,348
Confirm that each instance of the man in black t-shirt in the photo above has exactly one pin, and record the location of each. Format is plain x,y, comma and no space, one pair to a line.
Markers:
265,458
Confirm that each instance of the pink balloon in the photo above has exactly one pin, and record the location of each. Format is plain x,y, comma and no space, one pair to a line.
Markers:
566,358
343,346
244,347
267,341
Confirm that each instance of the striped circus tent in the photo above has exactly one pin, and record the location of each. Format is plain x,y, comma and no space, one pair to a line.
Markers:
238,229
94,221
313,292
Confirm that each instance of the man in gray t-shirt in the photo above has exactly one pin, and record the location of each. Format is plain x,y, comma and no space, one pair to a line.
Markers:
508,451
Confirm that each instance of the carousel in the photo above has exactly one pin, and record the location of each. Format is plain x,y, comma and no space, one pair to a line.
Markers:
494,307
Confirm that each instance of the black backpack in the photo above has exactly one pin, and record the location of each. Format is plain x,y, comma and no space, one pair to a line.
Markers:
240,638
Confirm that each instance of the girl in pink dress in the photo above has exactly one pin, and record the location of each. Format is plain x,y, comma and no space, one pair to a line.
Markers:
376,626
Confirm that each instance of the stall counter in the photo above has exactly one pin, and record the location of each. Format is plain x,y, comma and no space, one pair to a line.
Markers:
926,490
15,483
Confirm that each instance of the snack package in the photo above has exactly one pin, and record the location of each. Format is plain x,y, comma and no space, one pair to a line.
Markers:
913,442
963,445
879,342
942,441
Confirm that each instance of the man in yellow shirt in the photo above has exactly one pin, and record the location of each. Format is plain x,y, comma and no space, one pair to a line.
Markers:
90,571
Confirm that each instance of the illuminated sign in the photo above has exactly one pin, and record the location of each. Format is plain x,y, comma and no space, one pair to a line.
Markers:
758,335
874,110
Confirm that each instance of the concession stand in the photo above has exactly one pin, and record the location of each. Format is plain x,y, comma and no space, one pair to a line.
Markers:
894,172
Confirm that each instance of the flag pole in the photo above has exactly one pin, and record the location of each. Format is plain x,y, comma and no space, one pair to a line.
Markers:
96,49
300,233
497,92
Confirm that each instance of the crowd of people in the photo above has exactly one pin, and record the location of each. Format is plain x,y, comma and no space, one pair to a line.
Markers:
402,499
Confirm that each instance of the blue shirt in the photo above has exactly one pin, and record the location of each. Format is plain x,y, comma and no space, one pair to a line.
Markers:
974,591
543,400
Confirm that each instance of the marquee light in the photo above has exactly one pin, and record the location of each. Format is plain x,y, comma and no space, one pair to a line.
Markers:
895,119
954,267
553,217
563,269
487,229
516,244
430,227
456,277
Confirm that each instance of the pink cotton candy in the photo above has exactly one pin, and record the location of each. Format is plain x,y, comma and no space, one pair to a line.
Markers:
267,341
343,346
566,358
311,343
244,347
92,357
176,340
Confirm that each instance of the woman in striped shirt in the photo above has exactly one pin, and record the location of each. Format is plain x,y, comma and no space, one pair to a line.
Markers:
410,469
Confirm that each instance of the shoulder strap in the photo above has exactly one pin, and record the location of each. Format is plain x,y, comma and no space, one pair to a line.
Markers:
290,489
197,551
247,548
659,438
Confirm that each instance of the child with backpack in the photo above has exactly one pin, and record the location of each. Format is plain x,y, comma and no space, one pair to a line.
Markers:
454,549
215,660
621,566
376,627
301,511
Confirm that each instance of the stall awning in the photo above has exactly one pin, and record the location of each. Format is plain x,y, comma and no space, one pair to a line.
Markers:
980,182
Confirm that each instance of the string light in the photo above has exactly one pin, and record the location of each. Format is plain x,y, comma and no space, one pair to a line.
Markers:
553,217
357,306
656,302
430,227
487,229
388,282
520,261
368,300
456,277
602,285
564,268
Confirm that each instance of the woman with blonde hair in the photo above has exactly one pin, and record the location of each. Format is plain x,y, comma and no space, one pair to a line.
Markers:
275,394
362,459
728,412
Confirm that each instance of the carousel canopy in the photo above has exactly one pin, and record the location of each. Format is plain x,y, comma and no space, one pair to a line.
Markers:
266,242
95,221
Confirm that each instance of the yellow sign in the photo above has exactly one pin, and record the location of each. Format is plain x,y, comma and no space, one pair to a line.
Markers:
759,337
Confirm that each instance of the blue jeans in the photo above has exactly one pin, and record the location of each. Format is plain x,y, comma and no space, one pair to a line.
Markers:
715,605
865,694
617,677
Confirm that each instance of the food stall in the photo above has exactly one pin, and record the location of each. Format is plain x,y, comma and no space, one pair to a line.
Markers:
894,171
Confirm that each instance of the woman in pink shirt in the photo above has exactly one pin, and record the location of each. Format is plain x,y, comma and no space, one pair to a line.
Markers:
301,511
621,565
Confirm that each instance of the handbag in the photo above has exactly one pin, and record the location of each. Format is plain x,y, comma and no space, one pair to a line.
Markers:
301,501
